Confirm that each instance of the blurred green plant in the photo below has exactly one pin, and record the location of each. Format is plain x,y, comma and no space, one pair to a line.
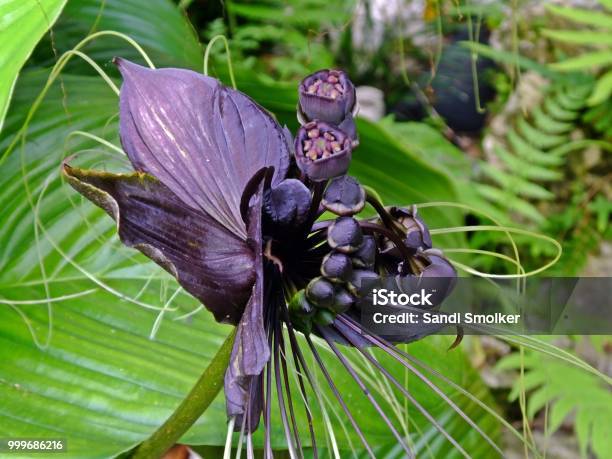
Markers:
561,391
597,41
283,40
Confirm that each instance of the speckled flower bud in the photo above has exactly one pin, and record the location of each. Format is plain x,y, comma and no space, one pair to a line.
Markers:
322,151
337,267
344,196
344,235
327,95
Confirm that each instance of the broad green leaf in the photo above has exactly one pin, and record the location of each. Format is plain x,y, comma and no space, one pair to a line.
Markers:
22,25
156,25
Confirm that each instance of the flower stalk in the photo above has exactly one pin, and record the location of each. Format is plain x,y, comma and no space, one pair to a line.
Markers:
191,408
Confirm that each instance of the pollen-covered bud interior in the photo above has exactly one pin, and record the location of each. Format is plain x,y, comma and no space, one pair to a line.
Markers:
321,142
326,84
322,151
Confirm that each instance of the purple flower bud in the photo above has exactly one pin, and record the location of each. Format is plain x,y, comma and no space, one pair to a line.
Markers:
322,151
327,95
337,267
343,300
300,305
345,235
365,256
356,285
439,276
344,196
320,292
417,234
287,204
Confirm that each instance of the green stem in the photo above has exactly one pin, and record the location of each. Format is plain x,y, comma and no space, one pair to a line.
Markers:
192,406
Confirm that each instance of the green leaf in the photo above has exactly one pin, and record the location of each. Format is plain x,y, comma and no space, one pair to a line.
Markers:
579,37
515,184
156,25
517,166
567,389
582,16
529,153
24,22
539,139
548,124
602,90
509,58
585,61
509,201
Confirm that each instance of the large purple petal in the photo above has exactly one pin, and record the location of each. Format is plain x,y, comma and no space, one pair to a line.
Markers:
243,393
201,139
210,262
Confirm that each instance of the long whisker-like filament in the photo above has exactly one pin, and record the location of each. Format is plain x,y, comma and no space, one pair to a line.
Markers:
283,361
241,438
227,451
367,392
304,396
396,354
339,398
297,352
268,405
403,390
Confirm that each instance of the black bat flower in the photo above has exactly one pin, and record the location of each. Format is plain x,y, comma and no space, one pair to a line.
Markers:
220,199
